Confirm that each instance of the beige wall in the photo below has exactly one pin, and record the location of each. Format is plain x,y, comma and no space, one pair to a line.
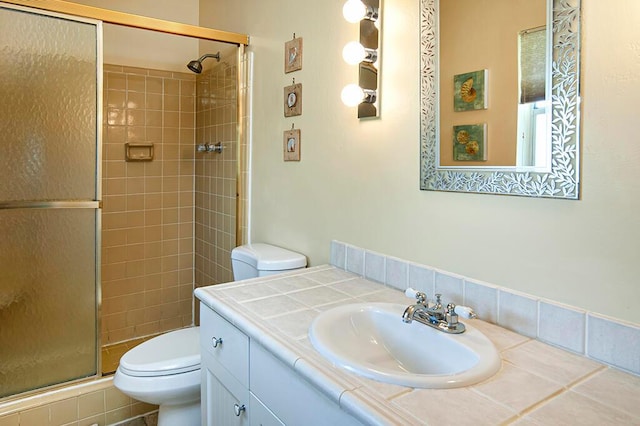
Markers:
150,49
475,37
358,180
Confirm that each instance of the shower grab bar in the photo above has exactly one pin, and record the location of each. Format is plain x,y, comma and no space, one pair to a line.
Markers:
6,205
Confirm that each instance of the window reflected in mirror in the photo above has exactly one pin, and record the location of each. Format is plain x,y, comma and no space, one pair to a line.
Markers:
533,111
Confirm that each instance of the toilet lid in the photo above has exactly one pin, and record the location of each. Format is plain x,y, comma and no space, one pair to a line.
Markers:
265,257
170,353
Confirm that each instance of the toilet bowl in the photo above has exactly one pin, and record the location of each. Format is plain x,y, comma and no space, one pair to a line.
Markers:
165,371
260,260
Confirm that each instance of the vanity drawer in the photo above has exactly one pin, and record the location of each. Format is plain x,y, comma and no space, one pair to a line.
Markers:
225,343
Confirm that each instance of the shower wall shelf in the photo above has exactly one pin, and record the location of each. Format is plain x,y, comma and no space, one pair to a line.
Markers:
138,151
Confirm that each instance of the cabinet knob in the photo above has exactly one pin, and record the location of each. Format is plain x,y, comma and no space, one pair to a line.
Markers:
215,341
238,409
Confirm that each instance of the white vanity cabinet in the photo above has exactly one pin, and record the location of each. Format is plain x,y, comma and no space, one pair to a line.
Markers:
244,384
225,371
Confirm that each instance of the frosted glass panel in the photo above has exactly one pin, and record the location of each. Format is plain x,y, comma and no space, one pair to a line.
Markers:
48,89
48,151
47,297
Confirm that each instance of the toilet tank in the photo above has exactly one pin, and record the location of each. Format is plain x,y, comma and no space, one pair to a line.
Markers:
259,260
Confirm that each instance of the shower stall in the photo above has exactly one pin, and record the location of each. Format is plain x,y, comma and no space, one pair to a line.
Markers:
95,250
49,198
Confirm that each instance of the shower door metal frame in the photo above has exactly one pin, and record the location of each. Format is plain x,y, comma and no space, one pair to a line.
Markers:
95,204
135,21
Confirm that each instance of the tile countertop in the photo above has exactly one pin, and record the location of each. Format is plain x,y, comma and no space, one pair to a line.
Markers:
538,384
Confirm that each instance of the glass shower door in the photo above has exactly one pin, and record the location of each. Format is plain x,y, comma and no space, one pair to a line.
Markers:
50,86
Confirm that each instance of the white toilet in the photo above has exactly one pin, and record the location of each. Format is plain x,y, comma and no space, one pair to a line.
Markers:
165,371
261,260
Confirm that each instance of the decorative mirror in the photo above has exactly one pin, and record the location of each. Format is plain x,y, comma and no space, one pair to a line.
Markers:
521,137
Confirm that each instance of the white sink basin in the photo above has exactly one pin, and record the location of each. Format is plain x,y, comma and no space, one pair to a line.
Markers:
371,340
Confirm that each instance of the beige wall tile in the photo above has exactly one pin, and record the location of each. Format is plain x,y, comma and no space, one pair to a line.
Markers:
136,83
65,411
115,399
10,420
154,101
116,81
134,100
171,103
36,416
135,70
171,87
91,404
118,415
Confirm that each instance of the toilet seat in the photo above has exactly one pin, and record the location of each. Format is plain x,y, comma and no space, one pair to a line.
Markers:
170,353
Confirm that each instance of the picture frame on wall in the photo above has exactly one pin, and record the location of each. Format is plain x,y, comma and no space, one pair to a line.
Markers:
291,145
470,142
470,91
293,55
293,100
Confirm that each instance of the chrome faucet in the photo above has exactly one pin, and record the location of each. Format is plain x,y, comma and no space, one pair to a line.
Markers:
433,314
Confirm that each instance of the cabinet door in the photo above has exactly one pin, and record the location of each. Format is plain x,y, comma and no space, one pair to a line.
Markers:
261,415
220,406
288,396
227,345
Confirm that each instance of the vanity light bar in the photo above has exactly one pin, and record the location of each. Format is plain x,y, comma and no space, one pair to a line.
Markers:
365,54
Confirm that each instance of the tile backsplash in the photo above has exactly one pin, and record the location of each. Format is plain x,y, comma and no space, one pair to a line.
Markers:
604,339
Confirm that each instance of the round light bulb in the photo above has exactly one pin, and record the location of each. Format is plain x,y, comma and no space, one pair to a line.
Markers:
352,95
354,10
353,53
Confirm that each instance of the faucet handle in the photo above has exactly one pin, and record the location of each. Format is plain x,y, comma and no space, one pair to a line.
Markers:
466,312
451,317
415,294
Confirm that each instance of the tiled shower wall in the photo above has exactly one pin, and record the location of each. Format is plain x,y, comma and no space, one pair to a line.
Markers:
216,174
148,209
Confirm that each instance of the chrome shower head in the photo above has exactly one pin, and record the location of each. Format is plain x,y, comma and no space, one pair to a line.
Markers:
196,66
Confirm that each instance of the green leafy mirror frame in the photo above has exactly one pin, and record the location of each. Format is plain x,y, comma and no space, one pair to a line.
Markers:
562,180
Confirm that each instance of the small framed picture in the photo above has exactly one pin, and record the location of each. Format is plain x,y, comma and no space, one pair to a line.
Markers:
292,145
470,142
293,100
293,55
470,91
